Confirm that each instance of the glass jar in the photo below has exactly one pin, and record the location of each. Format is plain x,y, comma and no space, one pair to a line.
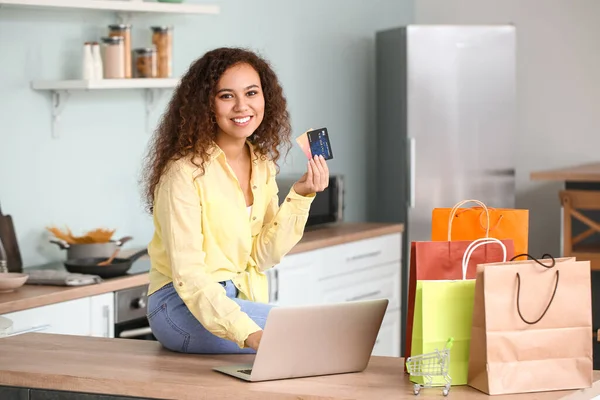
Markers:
113,57
125,32
145,62
162,39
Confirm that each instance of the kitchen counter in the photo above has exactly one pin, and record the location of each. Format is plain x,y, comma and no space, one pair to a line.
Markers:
121,367
30,296
579,173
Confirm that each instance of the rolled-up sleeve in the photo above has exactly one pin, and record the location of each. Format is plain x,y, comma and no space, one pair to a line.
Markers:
179,213
282,229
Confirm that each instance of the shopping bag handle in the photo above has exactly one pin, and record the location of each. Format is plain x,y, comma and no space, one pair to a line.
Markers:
455,209
546,255
471,248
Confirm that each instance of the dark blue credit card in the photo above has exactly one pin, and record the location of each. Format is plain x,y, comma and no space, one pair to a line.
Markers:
319,143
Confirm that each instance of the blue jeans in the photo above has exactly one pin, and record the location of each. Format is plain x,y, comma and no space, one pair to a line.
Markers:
176,328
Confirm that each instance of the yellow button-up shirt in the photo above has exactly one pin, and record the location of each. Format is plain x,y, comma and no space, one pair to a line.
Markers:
204,235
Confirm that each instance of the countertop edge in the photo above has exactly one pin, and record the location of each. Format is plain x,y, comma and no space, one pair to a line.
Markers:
106,387
73,293
312,240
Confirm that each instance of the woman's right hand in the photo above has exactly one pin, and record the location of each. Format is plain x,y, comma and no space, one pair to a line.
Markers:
253,340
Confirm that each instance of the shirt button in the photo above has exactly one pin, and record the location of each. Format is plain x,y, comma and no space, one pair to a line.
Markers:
254,187
253,218
275,223
288,199
180,283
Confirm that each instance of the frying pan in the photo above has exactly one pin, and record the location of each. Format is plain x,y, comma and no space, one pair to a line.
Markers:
89,265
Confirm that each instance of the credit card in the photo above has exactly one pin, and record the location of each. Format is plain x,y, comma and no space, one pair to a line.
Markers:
316,143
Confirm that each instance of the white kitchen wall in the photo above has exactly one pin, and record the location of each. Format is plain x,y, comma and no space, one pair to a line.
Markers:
323,52
558,85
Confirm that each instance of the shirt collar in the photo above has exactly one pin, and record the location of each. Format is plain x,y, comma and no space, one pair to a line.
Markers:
215,151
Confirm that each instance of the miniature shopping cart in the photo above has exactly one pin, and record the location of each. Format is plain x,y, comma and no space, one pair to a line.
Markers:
430,365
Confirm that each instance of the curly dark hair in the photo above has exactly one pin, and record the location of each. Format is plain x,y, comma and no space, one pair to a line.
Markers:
188,126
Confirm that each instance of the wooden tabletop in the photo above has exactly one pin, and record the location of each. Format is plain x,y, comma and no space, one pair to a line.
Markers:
580,173
30,296
144,369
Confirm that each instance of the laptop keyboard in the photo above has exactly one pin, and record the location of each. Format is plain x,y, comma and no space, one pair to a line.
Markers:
245,371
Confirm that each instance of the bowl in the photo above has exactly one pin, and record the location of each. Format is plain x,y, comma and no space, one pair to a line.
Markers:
9,281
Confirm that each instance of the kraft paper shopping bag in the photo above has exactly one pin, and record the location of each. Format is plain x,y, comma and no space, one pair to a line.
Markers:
458,223
532,327
444,309
443,261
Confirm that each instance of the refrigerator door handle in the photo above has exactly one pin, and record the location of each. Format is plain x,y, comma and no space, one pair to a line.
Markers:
500,172
412,151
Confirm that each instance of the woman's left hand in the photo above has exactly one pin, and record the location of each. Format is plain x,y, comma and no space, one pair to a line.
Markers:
316,178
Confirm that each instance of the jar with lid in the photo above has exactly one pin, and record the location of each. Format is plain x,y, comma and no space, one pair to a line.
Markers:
125,32
145,62
162,39
113,57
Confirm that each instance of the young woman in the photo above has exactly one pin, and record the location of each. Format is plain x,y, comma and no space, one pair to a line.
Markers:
210,184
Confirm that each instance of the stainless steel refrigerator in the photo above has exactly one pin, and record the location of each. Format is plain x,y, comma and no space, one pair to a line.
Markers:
446,124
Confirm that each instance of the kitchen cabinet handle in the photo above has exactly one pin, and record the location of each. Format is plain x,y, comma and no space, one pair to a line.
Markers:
364,255
131,333
364,296
106,317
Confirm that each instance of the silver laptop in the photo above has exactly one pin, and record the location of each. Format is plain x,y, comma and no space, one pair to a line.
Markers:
314,340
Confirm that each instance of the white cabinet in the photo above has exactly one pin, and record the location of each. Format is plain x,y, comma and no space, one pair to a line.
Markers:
88,316
68,317
294,280
359,270
102,315
388,339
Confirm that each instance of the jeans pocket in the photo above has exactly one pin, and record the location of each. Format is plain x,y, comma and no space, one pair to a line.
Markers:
169,334
157,299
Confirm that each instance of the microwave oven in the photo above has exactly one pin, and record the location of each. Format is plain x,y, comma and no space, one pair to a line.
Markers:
328,205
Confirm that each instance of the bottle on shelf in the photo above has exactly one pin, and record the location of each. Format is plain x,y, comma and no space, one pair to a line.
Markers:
97,61
145,62
87,67
124,31
162,39
113,57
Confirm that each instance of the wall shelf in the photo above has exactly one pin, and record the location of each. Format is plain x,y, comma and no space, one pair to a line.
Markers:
119,6
106,84
62,90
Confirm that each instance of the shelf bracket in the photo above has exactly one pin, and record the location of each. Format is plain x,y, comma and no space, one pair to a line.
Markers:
124,17
153,97
59,102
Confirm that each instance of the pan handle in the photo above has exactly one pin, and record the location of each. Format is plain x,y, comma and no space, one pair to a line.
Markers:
61,243
137,255
123,240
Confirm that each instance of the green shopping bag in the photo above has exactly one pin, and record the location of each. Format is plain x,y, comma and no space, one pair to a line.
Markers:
444,309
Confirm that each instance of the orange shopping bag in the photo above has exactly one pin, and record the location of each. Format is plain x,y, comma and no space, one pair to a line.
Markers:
458,223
